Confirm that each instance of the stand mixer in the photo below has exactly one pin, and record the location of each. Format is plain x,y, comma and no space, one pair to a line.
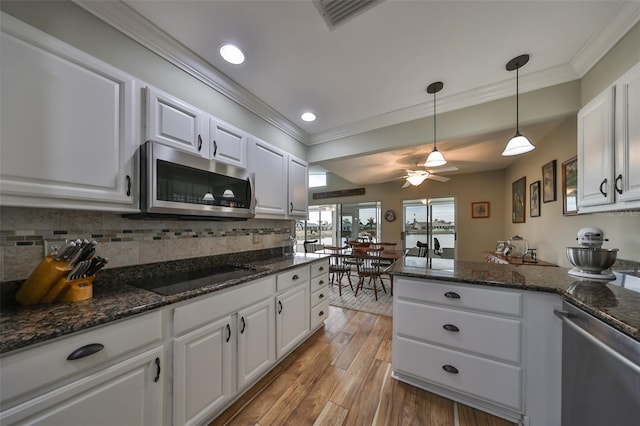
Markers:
590,260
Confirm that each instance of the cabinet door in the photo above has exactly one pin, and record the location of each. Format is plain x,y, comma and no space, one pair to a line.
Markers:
202,371
595,151
628,136
256,341
270,167
228,143
67,125
298,187
129,393
292,320
175,123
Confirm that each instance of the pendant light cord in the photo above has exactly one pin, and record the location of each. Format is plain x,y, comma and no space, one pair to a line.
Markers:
517,103
434,121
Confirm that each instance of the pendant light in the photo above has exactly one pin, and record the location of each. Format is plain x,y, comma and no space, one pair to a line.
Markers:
436,158
518,144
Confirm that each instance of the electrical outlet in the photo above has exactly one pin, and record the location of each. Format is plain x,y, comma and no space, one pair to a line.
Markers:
256,238
51,247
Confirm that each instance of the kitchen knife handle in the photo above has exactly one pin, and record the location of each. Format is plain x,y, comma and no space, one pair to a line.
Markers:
244,324
199,142
452,295
128,185
618,179
85,351
155,379
604,182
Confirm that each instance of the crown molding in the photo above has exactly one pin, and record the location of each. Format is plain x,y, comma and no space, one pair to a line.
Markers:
621,21
529,82
126,20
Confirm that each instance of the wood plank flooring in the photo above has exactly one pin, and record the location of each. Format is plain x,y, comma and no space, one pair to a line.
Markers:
342,376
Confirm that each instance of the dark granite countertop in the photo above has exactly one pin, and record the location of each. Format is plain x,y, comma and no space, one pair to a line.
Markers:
608,301
113,299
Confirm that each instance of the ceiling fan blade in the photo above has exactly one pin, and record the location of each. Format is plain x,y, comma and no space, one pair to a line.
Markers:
406,184
438,178
444,169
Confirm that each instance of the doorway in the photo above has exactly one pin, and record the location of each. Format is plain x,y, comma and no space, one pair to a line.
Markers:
430,221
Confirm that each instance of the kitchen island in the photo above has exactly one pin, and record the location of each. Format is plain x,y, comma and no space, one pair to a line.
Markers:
490,336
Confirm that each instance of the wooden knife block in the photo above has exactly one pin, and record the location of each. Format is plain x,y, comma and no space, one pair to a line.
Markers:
47,283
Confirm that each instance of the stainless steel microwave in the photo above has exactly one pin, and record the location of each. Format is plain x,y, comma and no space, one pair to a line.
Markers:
176,183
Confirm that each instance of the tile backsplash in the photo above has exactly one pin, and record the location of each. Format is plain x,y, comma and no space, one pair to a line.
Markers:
127,242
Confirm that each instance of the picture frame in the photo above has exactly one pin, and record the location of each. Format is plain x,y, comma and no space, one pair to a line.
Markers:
570,187
519,200
480,210
549,182
534,199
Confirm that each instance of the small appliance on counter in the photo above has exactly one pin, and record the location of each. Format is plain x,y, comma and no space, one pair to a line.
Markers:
590,260
65,277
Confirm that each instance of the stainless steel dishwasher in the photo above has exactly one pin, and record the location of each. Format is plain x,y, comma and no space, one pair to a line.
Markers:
600,372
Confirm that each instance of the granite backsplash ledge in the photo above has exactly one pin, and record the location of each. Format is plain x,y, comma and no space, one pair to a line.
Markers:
127,242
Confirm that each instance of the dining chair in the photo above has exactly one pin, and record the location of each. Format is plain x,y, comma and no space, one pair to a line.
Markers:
312,246
437,250
338,269
385,262
368,267
423,249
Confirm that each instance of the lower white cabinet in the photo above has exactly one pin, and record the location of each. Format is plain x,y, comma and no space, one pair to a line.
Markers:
292,320
111,375
256,341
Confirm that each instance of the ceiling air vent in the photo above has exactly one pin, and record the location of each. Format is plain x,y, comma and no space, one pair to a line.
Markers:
336,12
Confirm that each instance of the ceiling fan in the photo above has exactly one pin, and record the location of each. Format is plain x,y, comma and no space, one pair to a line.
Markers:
416,176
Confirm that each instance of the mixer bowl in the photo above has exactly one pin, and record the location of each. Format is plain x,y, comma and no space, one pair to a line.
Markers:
591,259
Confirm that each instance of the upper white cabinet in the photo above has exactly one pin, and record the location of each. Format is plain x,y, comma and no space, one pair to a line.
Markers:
609,147
298,187
175,123
270,167
68,123
228,143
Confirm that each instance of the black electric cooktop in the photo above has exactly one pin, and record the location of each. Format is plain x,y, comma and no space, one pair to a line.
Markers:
179,282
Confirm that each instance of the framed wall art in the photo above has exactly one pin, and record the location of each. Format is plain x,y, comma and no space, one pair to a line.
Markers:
549,182
570,187
534,199
480,209
518,200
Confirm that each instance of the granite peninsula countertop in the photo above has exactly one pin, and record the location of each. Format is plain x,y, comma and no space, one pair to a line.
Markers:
113,299
608,301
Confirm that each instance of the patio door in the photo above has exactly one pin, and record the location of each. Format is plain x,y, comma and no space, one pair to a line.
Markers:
430,221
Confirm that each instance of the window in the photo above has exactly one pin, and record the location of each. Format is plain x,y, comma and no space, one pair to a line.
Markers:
317,179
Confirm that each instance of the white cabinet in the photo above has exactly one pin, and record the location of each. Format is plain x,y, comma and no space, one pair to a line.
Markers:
67,130
111,375
292,321
175,123
228,143
298,187
222,343
609,147
270,167
319,293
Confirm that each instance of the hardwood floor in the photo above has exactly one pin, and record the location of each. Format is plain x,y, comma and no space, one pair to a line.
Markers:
342,376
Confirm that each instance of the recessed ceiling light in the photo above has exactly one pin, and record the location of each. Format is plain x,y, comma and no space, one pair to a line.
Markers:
308,116
232,54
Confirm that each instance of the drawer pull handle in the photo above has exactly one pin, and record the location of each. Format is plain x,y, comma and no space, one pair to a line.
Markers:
450,369
451,327
199,143
321,282
155,379
215,148
279,306
295,277
244,324
452,295
322,267
321,296
618,179
603,183
129,185
228,333
85,351
321,313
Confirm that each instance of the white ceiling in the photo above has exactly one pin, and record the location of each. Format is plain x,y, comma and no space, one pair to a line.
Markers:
373,70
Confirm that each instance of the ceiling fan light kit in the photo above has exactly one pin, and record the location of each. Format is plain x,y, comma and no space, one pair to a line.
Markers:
518,144
436,158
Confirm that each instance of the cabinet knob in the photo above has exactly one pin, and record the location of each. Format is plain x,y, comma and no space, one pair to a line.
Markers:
321,282
450,369
295,277
452,295
321,296
451,327
321,313
85,351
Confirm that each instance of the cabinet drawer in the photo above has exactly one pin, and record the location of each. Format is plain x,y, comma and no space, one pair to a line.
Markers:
319,313
293,277
196,314
39,367
483,378
319,296
319,268
320,282
460,296
483,334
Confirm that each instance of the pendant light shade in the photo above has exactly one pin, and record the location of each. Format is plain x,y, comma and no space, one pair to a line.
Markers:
436,158
518,144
